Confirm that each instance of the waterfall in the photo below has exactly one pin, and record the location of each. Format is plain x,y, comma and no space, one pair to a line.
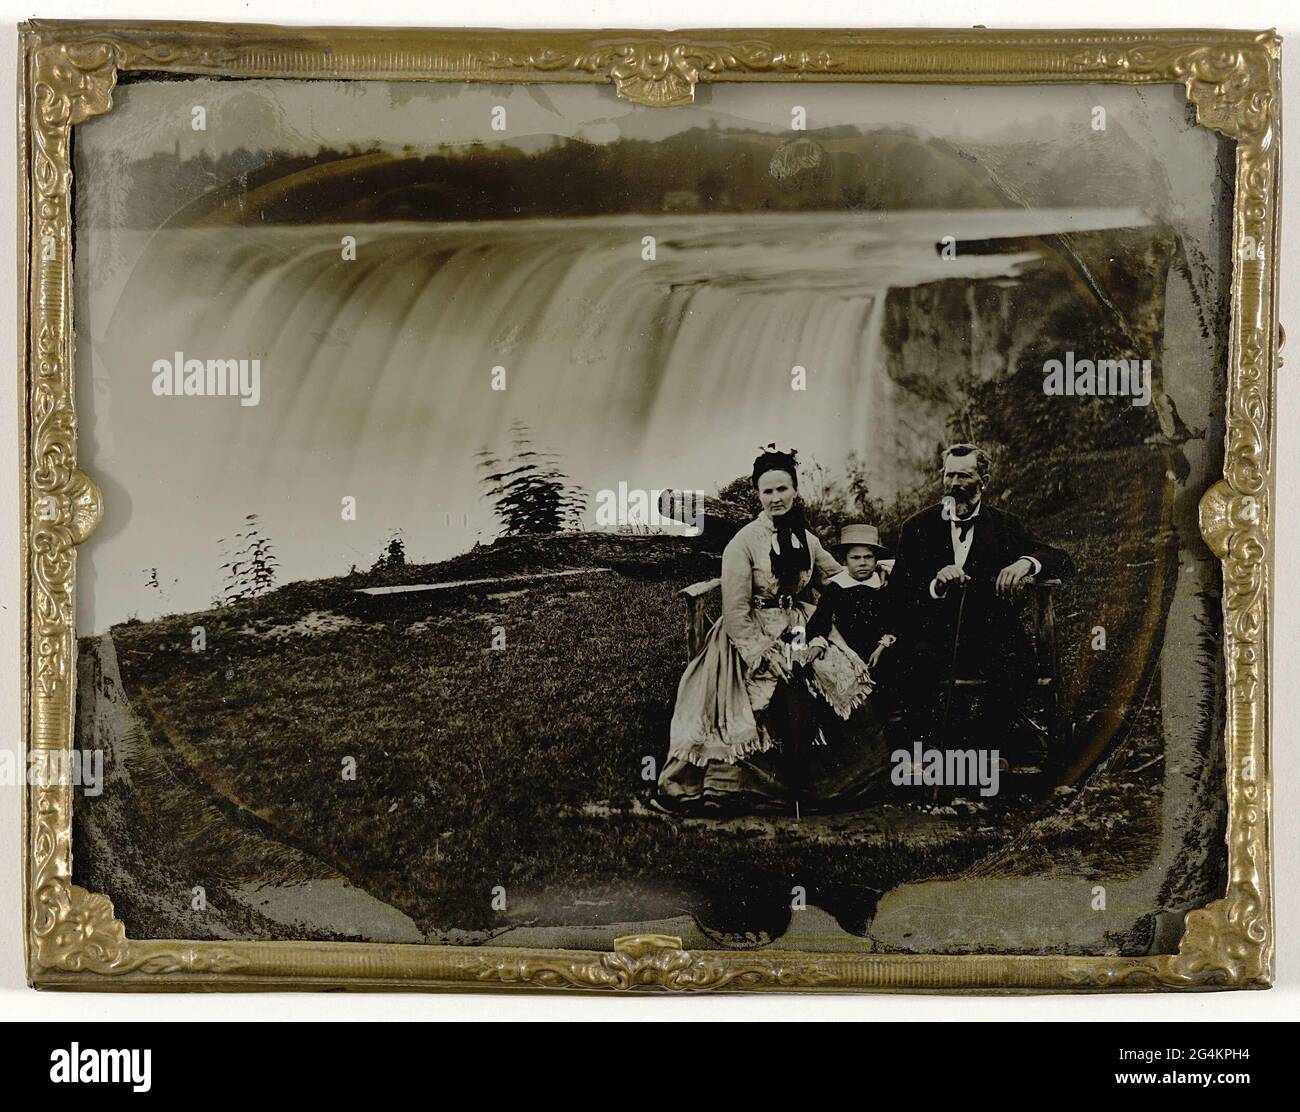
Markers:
376,373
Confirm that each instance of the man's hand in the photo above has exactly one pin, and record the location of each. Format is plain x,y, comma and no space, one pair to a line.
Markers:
1012,578
951,574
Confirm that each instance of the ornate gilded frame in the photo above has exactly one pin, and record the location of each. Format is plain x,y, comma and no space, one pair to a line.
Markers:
67,75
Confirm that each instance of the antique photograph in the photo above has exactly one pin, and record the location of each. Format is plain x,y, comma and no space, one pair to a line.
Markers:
533,518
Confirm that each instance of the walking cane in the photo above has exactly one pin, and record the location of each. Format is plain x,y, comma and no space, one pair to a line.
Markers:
800,721
952,671
795,725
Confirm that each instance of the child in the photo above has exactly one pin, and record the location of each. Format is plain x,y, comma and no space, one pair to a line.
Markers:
854,602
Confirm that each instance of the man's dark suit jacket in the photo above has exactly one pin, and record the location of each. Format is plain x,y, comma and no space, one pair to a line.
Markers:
992,642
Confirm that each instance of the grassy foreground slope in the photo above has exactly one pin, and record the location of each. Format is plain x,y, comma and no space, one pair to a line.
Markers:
520,768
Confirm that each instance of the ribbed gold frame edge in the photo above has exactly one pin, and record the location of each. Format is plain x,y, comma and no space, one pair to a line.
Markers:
67,74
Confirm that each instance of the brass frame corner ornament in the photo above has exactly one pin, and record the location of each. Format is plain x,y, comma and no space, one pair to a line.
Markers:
70,70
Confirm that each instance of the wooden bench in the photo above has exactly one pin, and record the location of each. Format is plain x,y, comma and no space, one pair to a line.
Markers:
699,619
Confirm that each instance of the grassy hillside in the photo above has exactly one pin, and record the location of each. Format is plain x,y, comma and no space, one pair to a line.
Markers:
522,768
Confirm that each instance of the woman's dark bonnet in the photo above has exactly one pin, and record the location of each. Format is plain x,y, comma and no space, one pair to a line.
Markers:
776,461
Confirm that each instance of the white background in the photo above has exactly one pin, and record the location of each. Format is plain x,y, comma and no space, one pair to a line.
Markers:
19,1002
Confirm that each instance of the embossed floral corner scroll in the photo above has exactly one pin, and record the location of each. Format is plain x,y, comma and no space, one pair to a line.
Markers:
73,938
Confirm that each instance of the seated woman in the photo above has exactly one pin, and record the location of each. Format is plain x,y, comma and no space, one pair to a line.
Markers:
746,712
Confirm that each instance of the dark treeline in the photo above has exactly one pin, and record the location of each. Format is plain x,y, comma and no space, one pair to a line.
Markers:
699,170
